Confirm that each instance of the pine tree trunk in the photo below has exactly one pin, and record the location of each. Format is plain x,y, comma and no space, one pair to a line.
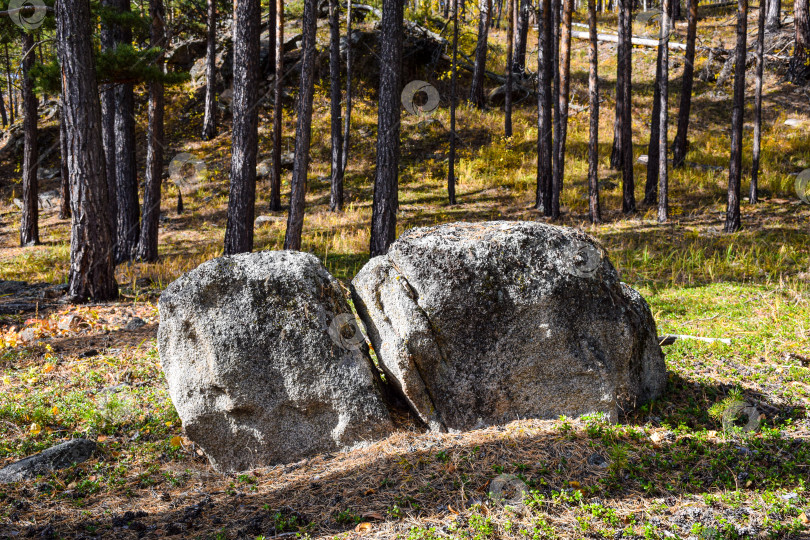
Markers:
126,174
594,211
509,39
64,208
688,78
564,72
303,129
545,61
245,139
773,22
109,36
674,10
336,192
29,225
799,68
521,37
628,186
760,49
278,109
3,109
663,122
617,153
386,185
347,121
735,165
92,272
271,36
479,68
210,119
651,186
11,105
451,161
148,247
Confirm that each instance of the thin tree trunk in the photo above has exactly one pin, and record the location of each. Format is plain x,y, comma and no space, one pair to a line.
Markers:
109,36
64,209
386,178
451,164
29,225
735,165
773,22
278,109
675,10
564,73
509,38
760,48
210,120
271,36
92,271
126,174
628,186
347,121
545,61
617,153
245,139
521,37
663,92
336,192
3,109
148,247
303,129
679,146
799,68
11,105
479,68
594,211
651,186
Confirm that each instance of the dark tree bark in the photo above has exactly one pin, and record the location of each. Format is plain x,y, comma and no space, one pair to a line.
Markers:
11,105
760,49
278,109
679,146
479,68
561,133
509,39
303,129
663,93
64,177
674,10
594,212
735,165
109,37
271,35
3,109
210,119
773,22
617,153
545,61
521,37
386,178
347,120
245,141
651,186
799,68
336,192
628,186
148,247
451,163
126,174
29,225
92,271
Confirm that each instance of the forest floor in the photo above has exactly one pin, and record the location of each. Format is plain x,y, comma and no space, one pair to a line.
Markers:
677,467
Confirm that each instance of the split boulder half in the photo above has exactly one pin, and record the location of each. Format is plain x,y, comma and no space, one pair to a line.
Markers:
258,364
485,323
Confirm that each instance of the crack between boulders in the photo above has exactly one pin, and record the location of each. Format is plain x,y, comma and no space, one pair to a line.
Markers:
433,333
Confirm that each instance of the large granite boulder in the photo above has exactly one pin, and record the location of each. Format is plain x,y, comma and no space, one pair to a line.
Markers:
262,363
483,323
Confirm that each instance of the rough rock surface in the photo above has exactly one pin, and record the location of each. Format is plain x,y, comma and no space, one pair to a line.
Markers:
483,323
54,458
261,364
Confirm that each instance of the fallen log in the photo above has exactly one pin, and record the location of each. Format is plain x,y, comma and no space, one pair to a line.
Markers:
635,40
669,339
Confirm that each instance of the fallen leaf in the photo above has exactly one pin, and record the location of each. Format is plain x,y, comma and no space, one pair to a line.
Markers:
47,368
573,484
803,518
35,429
176,441
55,410
369,492
363,527
373,515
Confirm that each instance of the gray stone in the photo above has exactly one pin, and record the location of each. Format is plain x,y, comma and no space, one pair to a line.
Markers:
258,363
134,324
54,458
485,323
